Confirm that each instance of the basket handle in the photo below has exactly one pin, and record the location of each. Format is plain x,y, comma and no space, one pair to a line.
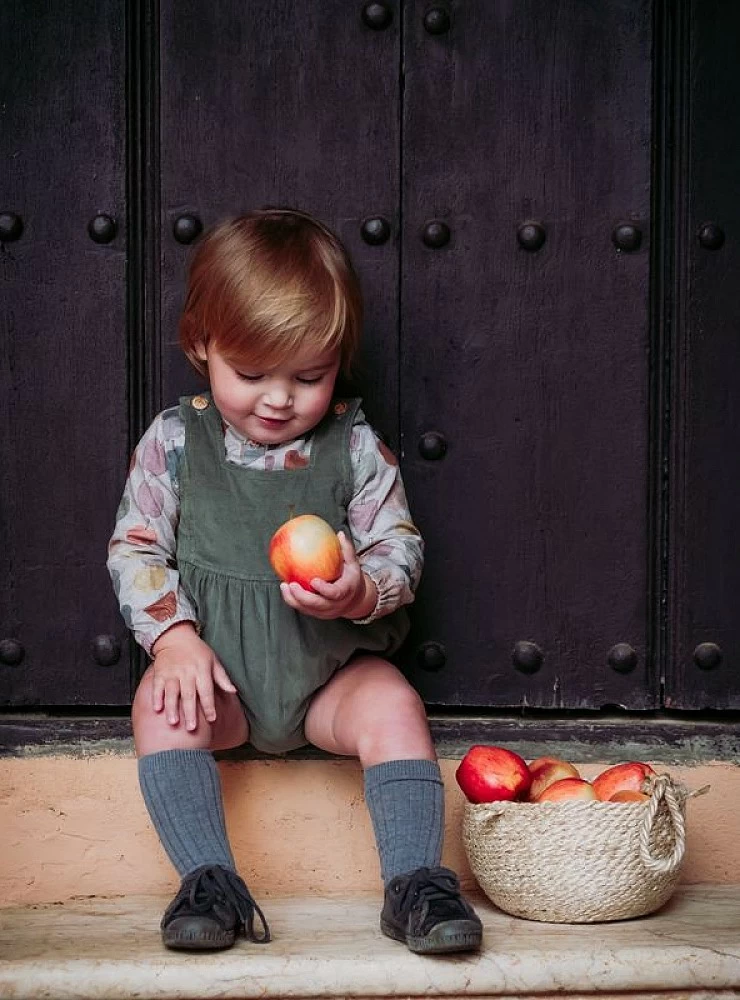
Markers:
662,790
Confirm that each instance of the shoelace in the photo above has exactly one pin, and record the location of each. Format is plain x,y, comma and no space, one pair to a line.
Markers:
432,886
213,884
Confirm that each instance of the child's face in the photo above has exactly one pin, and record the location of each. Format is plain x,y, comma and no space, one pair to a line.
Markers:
273,405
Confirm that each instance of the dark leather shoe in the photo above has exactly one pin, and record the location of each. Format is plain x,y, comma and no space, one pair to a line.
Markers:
425,910
212,906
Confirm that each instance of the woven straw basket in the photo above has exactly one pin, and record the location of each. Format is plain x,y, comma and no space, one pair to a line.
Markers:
579,861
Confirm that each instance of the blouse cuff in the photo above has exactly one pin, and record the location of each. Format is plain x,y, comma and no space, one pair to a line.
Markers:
387,599
146,639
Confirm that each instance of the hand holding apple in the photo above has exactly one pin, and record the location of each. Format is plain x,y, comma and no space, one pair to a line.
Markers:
352,594
305,548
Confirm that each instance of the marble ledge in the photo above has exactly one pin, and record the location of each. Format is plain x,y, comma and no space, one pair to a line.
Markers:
331,947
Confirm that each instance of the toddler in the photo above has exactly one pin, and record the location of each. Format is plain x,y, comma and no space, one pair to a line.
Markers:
272,313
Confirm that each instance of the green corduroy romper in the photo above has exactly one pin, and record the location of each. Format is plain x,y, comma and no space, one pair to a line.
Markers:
276,657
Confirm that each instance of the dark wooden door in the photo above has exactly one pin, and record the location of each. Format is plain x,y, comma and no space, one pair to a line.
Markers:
525,350
539,199
279,103
702,668
63,379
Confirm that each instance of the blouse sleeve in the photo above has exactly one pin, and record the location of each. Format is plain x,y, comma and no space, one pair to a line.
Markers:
142,551
389,546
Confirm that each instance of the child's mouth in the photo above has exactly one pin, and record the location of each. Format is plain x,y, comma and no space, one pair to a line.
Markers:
272,422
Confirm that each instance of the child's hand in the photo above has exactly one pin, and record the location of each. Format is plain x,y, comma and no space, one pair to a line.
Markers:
353,595
185,669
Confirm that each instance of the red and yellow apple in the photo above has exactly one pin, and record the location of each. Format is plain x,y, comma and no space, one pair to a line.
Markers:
567,789
304,548
493,774
628,776
629,795
546,771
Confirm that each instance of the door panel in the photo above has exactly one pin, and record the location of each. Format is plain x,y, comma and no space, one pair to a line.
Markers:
702,668
531,363
63,380
278,103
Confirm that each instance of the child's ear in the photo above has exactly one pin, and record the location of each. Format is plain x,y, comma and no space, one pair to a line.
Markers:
200,351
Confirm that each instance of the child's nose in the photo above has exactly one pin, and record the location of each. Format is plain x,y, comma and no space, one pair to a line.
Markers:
279,394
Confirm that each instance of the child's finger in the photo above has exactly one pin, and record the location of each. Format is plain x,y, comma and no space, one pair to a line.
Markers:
222,679
171,702
157,695
289,597
189,703
348,549
207,698
329,591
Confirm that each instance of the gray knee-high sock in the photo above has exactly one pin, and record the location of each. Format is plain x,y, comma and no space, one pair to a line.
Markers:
407,809
182,792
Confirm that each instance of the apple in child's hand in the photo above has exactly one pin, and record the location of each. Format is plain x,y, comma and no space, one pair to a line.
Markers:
630,775
567,789
546,771
304,548
493,774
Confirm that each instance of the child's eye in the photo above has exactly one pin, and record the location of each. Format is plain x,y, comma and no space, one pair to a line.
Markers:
249,378
306,380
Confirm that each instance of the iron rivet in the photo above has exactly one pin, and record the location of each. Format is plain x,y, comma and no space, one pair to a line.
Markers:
431,656
11,652
531,236
710,236
375,231
432,446
437,21
187,228
527,657
622,658
102,228
11,227
707,655
106,650
627,238
377,16
435,234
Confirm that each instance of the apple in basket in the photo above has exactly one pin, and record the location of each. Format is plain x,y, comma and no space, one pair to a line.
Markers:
546,771
628,795
493,774
304,548
629,776
568,789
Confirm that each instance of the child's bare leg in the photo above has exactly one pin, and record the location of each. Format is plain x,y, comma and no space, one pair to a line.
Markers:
369,710
153,733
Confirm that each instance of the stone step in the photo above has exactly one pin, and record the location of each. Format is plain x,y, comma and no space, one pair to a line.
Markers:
331,947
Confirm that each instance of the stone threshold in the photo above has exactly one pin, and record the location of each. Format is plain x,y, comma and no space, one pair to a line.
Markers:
331,947
662,738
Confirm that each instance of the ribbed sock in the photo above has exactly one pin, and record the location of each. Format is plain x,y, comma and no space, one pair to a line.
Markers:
182,792
406,803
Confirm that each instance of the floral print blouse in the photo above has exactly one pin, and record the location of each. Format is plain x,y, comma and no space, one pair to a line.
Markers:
142,551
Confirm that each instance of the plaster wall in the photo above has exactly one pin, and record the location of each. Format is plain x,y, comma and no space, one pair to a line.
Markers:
76,826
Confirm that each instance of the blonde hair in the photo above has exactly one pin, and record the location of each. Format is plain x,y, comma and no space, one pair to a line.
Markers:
264,285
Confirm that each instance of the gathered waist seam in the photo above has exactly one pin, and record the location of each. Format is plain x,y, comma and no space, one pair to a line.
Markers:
229,575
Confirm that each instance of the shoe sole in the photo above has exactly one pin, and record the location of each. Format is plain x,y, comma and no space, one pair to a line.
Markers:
451,936
182,942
